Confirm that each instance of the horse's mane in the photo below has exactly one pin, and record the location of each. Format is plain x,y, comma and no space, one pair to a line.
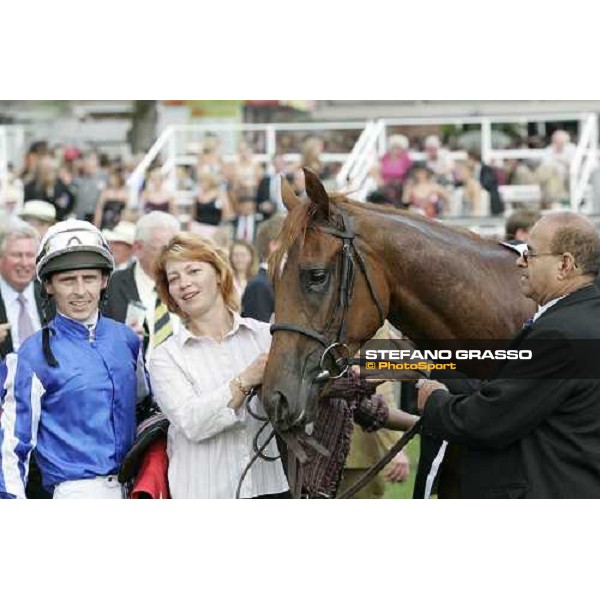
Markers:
301,216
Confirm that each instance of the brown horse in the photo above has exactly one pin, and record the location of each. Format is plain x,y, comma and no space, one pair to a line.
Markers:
343,267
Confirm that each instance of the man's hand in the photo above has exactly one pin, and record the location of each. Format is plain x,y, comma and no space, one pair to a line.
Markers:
4,330
426,388
137,328
399,468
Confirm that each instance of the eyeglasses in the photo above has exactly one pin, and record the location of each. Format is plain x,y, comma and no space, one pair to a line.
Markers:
527,254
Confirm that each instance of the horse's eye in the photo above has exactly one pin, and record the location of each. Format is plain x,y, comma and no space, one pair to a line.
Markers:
314,280
318,278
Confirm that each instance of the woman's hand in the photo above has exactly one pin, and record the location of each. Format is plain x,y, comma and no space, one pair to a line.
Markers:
250,377
253,375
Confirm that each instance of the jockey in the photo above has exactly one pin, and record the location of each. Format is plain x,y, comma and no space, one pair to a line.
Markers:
70,394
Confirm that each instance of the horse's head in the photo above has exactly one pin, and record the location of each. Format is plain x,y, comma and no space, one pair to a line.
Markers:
329,290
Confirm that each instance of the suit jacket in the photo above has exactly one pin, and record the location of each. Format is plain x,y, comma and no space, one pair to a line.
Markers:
489,182
258,301
263,191
121,290
6,347
257,218
534,430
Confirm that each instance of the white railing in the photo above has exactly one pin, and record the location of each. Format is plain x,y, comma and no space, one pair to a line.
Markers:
174,142
354,173
135,180
3,161
12,149
584,161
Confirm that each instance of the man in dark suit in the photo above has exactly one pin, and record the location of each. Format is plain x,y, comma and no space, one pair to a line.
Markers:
246,224
136,282
489,181
534,430
268,192
21,305
258,301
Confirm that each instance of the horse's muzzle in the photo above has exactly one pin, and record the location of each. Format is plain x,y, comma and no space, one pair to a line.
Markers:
281,415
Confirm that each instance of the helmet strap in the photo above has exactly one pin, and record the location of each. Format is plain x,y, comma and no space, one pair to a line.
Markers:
46,330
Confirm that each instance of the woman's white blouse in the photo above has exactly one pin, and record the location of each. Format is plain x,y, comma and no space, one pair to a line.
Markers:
210,444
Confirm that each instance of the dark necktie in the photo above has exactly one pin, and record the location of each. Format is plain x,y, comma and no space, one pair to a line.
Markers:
528,324
25,324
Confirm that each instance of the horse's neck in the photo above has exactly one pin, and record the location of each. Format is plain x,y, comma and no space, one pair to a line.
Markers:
443,283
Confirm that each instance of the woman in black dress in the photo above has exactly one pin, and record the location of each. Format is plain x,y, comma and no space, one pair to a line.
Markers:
112,202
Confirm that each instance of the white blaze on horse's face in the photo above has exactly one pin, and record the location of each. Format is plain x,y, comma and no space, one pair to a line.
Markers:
282,264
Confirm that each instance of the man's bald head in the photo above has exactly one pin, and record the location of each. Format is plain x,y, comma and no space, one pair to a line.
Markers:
567,232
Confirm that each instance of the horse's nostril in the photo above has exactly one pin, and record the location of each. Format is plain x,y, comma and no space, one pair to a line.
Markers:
280,407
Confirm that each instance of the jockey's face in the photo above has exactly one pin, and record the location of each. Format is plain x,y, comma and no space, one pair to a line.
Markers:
77,293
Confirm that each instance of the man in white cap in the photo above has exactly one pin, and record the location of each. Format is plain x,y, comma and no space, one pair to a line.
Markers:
121,240
39,214
71,391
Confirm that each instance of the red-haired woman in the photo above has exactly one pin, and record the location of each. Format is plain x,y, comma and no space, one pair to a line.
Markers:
200,377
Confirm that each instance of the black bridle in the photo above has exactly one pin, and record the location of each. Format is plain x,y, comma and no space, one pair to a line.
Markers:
336,346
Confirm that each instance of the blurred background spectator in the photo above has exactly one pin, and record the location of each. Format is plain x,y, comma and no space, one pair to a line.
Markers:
87,187
518,225
243,259
246,172
423,194
394,167
553,172
438,160
156,195
311,157
488,179
212,204
470,196
268,194
47,186
112,201
39,214
120,240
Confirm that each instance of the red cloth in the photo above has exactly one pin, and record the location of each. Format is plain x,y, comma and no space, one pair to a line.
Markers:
152,480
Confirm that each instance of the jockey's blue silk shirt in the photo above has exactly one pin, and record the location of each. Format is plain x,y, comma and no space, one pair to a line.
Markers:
79,417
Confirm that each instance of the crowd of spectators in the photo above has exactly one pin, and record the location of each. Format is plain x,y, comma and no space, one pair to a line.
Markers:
438,185
226,198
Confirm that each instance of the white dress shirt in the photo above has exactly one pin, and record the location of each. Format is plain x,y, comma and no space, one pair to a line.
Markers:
147,292
245,228
543,308
210,444
13,308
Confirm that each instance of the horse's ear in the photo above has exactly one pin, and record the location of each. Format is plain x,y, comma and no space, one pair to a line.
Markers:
287,194
316,192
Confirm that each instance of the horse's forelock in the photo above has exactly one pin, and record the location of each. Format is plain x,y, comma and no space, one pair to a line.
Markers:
294,229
